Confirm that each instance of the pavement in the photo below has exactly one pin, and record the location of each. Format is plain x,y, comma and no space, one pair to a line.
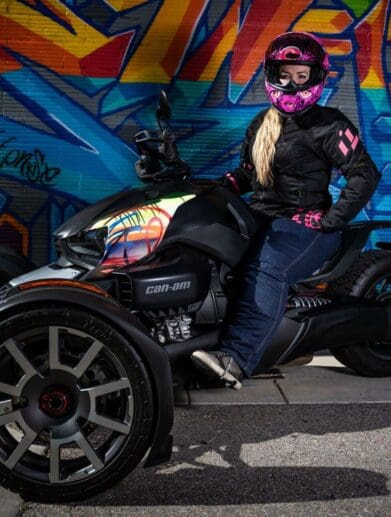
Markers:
307,440
323,381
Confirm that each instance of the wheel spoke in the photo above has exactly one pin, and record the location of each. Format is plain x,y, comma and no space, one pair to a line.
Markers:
24,363
20,358
109,423
54,475
7,416
55,455
9,389
21,449
88,358
105,389
5,406
54,350
86,447
130,406
109,387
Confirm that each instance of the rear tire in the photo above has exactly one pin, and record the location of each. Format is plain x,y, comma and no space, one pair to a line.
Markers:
369,277
76,405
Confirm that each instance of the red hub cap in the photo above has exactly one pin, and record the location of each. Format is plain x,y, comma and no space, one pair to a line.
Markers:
55,402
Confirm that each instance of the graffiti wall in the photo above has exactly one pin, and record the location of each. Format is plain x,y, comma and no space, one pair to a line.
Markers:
79,77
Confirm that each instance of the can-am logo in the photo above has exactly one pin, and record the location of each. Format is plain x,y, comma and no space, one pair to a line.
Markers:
165,288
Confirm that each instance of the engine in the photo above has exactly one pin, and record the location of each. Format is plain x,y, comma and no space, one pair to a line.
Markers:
177,292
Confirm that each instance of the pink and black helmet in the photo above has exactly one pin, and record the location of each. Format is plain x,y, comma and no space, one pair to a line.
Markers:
295,48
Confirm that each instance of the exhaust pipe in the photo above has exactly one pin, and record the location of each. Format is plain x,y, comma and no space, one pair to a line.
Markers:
206,341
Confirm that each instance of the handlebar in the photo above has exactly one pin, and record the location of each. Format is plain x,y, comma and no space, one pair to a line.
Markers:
169,148
147,172
159,157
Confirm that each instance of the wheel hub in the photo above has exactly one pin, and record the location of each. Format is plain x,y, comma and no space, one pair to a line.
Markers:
56,401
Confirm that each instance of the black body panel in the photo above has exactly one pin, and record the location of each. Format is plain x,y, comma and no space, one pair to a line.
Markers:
217,240
345,321
350,321
289,333
217,222
180,280
354,237
216,205
12,264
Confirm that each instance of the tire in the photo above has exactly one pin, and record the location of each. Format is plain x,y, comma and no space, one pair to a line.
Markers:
368,277
83,399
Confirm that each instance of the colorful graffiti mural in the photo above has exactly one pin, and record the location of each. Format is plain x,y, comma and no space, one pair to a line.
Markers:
79,77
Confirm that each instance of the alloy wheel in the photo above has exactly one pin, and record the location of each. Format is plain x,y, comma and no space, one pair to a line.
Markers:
66,404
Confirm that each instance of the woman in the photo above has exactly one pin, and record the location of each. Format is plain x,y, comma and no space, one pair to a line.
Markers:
287,157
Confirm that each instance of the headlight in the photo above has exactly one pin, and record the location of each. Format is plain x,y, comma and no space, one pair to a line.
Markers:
90,243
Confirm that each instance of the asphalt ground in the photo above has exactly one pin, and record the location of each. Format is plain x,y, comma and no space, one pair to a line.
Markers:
315,441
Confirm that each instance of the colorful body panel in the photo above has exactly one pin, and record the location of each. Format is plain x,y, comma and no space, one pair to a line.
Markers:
135,233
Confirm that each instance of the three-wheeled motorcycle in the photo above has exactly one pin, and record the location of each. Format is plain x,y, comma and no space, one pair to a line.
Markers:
91,345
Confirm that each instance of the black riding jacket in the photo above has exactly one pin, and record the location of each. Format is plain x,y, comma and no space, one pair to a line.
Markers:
309,147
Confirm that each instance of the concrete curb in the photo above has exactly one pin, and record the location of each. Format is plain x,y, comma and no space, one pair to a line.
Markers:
11,504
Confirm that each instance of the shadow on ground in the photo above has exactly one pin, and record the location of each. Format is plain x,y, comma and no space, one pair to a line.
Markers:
210,465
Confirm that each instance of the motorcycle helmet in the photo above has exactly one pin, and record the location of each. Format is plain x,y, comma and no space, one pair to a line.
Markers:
295,48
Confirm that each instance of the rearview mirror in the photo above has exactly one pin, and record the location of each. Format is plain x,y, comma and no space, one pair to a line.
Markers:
163,110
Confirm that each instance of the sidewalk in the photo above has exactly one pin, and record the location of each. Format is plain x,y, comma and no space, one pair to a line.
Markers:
324,381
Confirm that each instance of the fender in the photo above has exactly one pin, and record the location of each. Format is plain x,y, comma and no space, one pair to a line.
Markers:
98,302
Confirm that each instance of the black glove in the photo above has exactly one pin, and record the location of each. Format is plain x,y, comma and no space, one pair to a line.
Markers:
229,181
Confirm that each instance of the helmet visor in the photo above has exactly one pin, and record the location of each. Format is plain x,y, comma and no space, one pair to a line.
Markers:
273,76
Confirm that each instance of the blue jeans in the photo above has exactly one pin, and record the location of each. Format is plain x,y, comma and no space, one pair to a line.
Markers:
287,253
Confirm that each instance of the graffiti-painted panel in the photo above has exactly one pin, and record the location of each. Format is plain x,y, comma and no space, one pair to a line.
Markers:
79,77
134,234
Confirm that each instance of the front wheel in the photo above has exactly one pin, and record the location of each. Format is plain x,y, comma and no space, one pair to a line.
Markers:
369,277
76,405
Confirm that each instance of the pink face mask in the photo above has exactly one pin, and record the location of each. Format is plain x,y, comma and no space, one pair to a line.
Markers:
296,102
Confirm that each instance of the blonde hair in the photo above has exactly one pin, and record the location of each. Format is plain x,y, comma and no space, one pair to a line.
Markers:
264,146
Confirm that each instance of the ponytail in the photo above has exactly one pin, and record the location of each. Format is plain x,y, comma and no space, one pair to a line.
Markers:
264,147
